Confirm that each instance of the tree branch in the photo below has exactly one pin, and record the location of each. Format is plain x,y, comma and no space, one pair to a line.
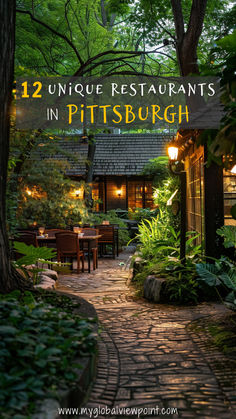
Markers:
66,18
166,30
82,68
60,35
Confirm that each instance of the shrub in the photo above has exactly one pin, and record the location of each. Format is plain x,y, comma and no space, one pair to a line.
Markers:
32,255
159,240
162,195
139,214
39,347
112,217
222,277
160,250
182,290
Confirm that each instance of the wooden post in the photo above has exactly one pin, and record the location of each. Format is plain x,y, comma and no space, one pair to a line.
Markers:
143,195
183,216
214,209
127,193
105,194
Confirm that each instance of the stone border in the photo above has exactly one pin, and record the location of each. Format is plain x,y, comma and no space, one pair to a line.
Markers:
47,279
218,362
86,375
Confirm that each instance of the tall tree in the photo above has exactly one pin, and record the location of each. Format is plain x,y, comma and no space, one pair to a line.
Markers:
9,278
186,41
182,26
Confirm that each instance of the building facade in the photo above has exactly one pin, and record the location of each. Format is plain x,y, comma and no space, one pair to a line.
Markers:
210,194
117,167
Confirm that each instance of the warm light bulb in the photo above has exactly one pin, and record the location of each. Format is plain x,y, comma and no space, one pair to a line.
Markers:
233,170
78,193
119,192
173,153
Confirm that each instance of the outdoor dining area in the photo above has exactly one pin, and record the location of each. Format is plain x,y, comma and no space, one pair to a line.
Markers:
83,244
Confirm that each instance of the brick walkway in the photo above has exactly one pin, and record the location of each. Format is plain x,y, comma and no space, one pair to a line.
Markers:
147,354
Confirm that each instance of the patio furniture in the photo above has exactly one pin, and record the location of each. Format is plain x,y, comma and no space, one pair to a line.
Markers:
51,238
27,237
93,245
68,246
43,241
109,237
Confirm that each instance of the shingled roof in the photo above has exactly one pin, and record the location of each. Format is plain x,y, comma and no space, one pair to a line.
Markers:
116,154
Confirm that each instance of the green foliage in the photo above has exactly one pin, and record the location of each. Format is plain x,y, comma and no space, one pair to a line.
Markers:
165,185
34,255
181,291
222,142
228,232
157,169
222,276
41,51
160,250
139,214
233,211
39,348
159,240
162,195
224,337
111,216
39,191
51,203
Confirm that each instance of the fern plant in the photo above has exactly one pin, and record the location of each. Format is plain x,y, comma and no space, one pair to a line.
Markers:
31,257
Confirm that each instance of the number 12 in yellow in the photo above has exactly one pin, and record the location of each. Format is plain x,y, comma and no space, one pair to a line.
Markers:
36,84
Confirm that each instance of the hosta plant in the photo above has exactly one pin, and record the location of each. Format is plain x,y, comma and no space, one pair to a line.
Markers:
222,276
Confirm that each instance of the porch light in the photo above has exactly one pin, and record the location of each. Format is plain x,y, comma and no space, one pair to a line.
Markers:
233,170
28,192
79,193
119,192
173,153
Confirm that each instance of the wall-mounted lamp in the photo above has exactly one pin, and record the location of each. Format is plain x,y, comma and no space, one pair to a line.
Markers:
79,193
28,192
233,170
173,152
119,192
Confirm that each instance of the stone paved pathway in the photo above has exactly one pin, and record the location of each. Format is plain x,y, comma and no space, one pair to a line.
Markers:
147,355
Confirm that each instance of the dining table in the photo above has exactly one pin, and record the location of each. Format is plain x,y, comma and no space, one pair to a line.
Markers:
44,241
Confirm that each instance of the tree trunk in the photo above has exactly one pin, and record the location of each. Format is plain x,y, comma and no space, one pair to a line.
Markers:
187,58
187,41
9,278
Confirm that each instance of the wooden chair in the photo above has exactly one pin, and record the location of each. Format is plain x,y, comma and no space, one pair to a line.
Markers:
68,246
94,249
108,238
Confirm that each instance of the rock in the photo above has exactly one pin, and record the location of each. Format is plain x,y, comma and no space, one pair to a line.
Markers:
52,274
47,410
45,282
44,286
138,265
152,288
